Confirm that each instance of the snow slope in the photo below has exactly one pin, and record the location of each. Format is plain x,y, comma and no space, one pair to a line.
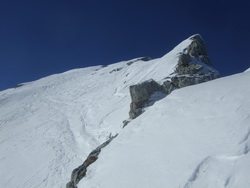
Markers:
196,137
49,126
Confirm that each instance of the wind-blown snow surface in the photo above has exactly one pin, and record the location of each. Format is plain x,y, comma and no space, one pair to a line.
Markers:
197,136
48,127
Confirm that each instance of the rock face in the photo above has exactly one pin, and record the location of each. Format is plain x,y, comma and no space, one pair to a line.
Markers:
187,66
80,172
140,95
192,58
198,49
177,82
193,67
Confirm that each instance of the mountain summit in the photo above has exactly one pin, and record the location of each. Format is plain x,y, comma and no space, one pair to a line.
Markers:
192,67
173,129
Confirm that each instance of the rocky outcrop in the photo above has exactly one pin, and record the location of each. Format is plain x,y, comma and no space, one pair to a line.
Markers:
20,85
80,172
140,95
180,81
193,67
194,58
138,59
198,49
186,65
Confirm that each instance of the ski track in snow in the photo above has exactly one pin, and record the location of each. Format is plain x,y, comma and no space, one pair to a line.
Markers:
63,125
64,116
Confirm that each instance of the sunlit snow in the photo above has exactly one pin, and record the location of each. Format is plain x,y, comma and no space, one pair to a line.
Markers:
197,136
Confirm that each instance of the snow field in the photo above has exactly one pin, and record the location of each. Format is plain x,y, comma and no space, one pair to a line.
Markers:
196,137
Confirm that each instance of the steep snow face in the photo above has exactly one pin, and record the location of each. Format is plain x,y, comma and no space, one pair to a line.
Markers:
48,127
247,70
196,137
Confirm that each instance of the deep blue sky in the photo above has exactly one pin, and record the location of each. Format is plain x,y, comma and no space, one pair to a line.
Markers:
43,37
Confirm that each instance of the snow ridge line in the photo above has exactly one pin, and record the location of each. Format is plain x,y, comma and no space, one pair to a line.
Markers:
80,172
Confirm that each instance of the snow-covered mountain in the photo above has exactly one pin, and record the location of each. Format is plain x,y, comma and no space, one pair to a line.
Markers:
197,136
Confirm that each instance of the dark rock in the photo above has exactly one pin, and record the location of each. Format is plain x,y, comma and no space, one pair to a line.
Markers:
20,85
139,59
193,67
125,123
183,81
145,58
130,63
140,94
194,58
198,49
70,185
180,81
80,172
115,70
136,109
168,87
184,60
